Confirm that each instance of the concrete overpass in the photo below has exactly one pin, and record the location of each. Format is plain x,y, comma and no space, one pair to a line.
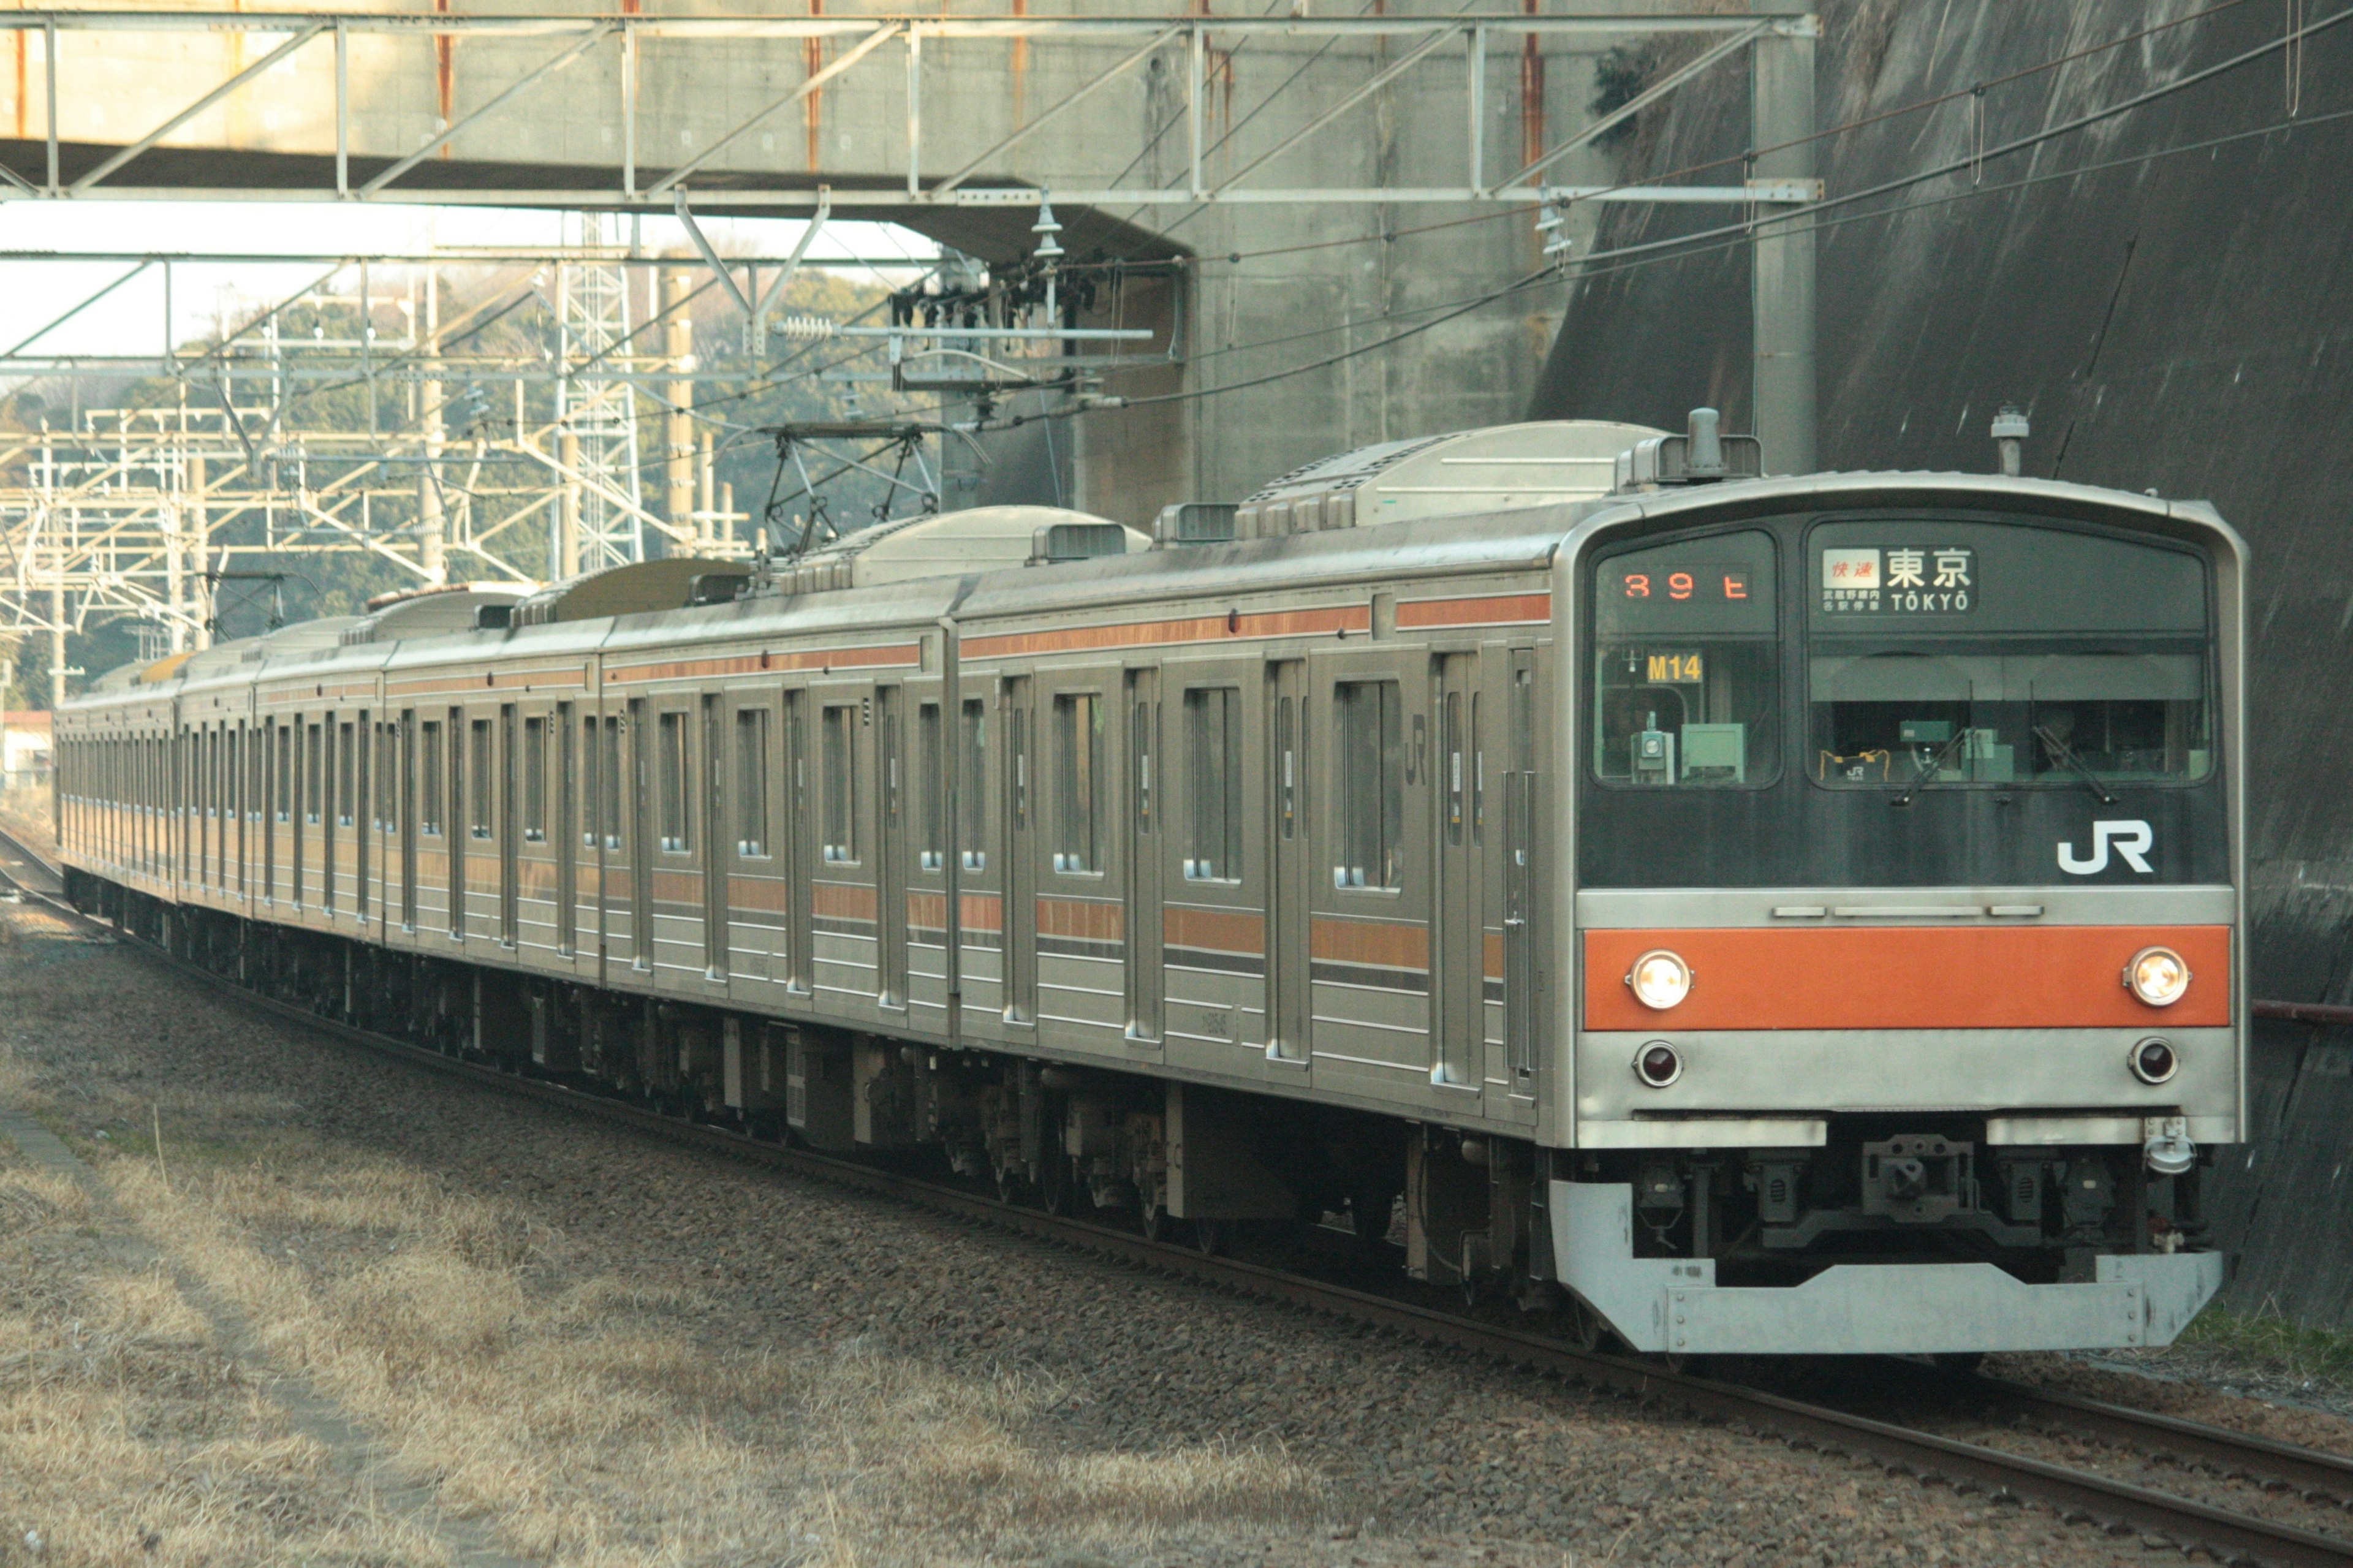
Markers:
1263,193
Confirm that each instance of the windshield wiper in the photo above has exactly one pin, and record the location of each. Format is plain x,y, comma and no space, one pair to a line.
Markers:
1936,765
2060,751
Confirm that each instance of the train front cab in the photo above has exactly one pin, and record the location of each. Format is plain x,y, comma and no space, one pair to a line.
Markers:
1908,1001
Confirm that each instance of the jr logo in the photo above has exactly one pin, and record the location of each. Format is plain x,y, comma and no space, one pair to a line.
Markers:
2130,840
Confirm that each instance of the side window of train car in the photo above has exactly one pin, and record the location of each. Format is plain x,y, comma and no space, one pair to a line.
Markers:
478,764
534,781
1369,757
1942,653
972,786
1078,770
609,792
671,762
1686,665
931,824
314,793
839,738
592,793
428,768
752,782
346,775
1213,784
282,779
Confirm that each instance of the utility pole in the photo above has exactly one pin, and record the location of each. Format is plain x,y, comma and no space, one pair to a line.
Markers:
677,427
175,576
58,638
199,517
567,537
706,491
432,525
1781,269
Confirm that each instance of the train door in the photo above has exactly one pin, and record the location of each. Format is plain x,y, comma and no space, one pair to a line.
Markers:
638,733
1519,882
359,745
408,820
1147,855
564,834
1290,881
1020,856
1458,946
800,845
717,850
613,874
508,827
891,848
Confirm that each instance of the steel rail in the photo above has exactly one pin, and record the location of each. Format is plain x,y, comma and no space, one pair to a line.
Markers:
2317,1474
2074,1494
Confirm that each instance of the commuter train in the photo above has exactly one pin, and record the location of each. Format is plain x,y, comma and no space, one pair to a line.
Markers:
1745,914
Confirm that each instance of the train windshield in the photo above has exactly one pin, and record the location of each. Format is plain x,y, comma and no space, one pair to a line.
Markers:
1686,657
1986,653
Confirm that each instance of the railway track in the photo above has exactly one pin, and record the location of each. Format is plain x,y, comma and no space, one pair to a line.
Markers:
2075,1494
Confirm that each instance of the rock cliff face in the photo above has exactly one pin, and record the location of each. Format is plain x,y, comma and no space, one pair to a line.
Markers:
2168,293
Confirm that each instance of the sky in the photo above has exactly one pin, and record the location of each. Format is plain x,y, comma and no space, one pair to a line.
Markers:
131,320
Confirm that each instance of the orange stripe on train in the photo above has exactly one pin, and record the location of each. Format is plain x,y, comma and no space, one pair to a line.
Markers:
1195,628
1489,610
1909,977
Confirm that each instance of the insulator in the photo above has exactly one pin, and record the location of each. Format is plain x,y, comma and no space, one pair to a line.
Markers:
807,328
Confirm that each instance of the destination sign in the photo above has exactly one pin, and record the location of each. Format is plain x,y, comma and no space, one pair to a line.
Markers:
1700,583
1902,579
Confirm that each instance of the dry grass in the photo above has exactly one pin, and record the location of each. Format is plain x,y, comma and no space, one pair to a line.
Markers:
125,1437
582,1415
594,1425
25,814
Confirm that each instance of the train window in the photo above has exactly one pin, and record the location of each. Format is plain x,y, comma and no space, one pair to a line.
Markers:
752,781
1371,755
931,852
282,776
314,797
478,762
534,781
972,787
1078,741
1290,766
839,737
592,793
1686,664
1944,653
670,759
346,775
428,816
609,792
387,767
1213,783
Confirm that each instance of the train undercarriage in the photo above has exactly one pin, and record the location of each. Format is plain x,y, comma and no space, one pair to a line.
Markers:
1620,1243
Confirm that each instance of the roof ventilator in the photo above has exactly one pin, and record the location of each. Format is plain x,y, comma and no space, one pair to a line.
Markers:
1060,542
1194,522
1702,455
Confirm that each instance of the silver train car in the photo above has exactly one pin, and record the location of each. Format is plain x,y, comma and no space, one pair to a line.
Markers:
1742,914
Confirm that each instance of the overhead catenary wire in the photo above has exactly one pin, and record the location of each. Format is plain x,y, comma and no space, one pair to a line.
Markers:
1632,256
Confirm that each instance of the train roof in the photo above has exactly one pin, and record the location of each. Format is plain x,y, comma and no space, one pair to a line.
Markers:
1439,545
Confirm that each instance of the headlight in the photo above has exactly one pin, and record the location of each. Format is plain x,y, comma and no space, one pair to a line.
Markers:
1658,1065
1660,979
2154,1060
2158,976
